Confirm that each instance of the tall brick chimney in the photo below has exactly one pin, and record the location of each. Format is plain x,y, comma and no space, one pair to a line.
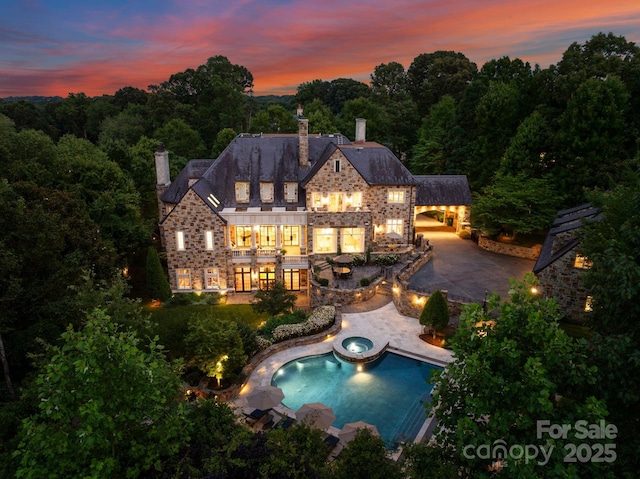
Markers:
303,141
361,130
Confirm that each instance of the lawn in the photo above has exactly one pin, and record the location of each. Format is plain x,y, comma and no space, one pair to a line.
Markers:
173,322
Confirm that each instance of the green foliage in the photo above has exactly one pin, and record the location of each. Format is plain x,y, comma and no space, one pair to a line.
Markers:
224,137
275,119
365,457
215,347
275,300
365,282
323,282
435,313
429,152
157,284
180,139
98,396
273,322
612,244
515,204
509,373
387,259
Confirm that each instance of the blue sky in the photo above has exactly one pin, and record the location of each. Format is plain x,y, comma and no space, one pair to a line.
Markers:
60,47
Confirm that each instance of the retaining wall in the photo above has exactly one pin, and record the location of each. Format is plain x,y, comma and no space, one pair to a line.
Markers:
510,250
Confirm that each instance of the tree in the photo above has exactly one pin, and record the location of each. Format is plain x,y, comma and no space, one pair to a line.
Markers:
365,457
514,367
435,313
433,75
224,137
612,244
215,347
275,301
321,119
515,204
181,139
429,153
106,407
275,119
157,284
376,116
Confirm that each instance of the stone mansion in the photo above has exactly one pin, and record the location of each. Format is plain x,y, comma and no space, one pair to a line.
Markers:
270,206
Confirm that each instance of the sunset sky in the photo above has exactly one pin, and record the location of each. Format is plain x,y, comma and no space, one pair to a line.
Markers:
57,47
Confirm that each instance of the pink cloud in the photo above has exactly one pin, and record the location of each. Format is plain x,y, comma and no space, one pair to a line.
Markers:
286,44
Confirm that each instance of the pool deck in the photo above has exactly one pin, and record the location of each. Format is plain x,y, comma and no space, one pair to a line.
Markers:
380,325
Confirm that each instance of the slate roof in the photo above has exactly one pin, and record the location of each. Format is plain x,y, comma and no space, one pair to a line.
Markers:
194,170
566,220
439,190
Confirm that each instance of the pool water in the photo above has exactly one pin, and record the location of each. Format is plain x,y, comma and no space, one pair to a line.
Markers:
390,392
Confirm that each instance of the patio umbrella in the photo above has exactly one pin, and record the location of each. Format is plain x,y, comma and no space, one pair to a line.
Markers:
343,259
264,397
316,414
394,235
350,430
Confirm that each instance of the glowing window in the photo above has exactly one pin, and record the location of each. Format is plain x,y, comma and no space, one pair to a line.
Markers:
582,262
208,239
180,240
356,199
352,240
211,278
183,277
291,235
396,196
267,236
316,199
588,304
243,236
324,240
394,225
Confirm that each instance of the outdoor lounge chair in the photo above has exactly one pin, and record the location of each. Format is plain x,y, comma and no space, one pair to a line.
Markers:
256,414
331,441
284,423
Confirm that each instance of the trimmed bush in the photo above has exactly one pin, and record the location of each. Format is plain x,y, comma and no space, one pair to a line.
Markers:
157,284
320,319
365,282
435,313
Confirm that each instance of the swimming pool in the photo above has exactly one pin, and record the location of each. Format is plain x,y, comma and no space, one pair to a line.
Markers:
389,392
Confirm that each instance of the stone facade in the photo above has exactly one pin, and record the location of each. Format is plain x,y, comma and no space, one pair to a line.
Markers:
322,295
193,219
562,280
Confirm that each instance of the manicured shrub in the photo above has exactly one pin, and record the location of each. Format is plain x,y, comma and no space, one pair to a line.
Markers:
157,284
323,281
365,282
435,313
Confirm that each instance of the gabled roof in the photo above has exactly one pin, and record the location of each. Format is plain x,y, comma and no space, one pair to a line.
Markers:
375,163
439,190
566,220
194,170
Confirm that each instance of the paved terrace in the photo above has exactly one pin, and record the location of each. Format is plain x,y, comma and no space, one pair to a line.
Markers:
379,325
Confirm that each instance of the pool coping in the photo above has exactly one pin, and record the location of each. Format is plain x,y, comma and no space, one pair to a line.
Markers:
377,350
263,371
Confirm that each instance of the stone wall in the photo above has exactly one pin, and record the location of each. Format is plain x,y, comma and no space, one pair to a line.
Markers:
563,281
194,218
321,295
508,249
410,303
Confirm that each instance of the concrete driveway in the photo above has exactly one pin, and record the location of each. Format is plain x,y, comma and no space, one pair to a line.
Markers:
464,269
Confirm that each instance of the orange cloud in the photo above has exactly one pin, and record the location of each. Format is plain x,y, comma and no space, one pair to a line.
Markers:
284,44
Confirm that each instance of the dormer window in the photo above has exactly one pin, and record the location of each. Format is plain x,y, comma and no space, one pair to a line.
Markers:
291,192
266,192
242,192
336,165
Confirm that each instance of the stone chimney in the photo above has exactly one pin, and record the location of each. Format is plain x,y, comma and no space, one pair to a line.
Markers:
303,138
163,178
361,130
